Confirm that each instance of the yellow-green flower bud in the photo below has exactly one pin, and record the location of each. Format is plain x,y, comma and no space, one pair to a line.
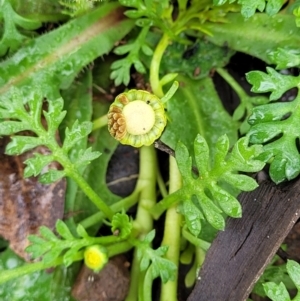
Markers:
136,118
95,257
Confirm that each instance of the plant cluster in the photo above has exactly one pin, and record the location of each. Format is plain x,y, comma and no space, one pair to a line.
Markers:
214,151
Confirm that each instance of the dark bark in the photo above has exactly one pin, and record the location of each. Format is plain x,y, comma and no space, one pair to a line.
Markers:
239,255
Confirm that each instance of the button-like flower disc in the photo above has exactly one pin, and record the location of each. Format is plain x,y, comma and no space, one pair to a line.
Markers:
136,118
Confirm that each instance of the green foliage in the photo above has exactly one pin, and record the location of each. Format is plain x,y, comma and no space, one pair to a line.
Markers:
11,37
197,60
37,286
76,7
248,8
154,258
70,247
278,292
276,124
285,58
251,36
122,225
207,115
54,59
121,67
203,197
28,117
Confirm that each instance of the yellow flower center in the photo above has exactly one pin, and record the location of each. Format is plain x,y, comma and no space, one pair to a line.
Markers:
139,117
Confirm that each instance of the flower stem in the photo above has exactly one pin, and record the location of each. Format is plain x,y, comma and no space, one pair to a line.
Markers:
143,221
155,65
100,122
172,235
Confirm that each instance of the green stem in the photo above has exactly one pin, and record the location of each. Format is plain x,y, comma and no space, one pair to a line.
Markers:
233,83
164,204
172,233
161,185
100,122
155,65
147,287
143,221
118,248
72,172
91,194
123,204
28,268
204,245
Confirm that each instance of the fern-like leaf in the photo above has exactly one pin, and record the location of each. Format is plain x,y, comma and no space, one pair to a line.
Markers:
276,125
205,197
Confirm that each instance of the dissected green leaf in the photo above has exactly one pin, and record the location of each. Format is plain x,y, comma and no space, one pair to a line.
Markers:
20,144
51,176
188,208
36,164
153,258
205,191
122,224
11,37
85,157
276,125
121,67
285,58
76,133
248,8
271,82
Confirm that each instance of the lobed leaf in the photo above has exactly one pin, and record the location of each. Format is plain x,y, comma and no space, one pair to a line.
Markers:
76,133
63,230
203,197
122,224
20,144
188,208
248,8
36,164
48,234
51,176
285,58
81,231
271,82
152,259
86,156
275,125
54,115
